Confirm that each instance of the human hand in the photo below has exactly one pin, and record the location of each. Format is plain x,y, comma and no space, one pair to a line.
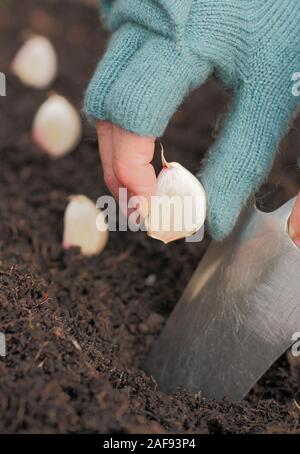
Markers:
126,160
161,50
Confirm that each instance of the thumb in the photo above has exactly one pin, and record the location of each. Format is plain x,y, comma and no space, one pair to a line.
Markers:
243,155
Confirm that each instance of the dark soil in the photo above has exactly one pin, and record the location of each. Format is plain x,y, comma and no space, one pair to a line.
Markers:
78,328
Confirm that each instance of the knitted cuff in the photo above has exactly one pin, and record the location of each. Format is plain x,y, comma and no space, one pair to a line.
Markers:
141,81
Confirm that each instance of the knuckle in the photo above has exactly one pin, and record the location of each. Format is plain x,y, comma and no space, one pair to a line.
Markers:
121,171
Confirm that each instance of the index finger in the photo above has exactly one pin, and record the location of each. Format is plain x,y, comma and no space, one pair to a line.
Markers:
132,156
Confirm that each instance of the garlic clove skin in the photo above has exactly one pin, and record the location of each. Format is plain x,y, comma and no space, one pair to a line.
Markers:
57,127
82,222
179,208
35,64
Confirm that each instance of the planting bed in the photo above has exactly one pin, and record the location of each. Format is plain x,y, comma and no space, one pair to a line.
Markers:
78,329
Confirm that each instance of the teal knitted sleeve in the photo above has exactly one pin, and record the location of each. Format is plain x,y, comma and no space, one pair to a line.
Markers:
161,49
147,68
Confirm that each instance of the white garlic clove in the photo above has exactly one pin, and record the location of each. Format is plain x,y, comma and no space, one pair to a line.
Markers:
179,208
57,127
36,63
84,226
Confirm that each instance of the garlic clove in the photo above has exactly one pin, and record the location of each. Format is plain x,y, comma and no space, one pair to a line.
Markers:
84,226
57,127
35,64
179,208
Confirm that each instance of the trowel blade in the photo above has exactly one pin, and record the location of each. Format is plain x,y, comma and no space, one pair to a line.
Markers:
238,314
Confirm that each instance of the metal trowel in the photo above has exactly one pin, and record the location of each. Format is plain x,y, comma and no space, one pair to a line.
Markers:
237,315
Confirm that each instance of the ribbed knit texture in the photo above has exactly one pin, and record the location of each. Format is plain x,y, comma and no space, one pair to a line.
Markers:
162,49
